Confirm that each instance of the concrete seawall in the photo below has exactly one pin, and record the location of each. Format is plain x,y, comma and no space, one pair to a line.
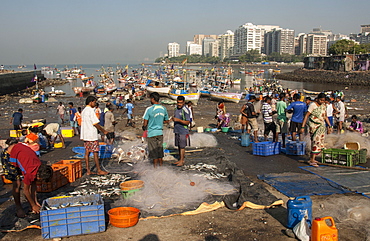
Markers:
13,82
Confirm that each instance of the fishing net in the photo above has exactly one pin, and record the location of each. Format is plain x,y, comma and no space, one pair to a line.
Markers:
338,141
197,140
348,211
167,190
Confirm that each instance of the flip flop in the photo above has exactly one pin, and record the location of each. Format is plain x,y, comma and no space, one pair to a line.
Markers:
314,164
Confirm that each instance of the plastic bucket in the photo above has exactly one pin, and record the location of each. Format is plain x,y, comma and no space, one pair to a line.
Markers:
123,217
245,139
225,129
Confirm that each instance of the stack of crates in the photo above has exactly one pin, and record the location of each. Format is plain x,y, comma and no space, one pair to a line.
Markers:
69,216
266,148
74,168
59,179
341,157
295,148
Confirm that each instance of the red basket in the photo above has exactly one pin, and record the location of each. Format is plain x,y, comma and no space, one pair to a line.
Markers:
123,217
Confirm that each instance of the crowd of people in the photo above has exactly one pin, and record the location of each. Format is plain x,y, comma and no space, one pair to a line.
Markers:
318,117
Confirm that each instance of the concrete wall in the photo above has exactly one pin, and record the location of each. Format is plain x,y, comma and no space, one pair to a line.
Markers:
13,82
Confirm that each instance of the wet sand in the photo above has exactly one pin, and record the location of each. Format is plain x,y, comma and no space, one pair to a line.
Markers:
245,225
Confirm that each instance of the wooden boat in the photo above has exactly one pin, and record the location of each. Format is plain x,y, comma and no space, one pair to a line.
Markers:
56,92
162,91
83,89
277,70
226,96
236,81
193,97
309,92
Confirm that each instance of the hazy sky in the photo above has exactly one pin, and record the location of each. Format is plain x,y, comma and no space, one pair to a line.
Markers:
132,31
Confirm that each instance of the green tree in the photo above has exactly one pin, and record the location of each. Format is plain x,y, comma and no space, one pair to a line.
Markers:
251,56
344,46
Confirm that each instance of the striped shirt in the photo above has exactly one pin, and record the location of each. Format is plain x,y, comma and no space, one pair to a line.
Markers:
266,113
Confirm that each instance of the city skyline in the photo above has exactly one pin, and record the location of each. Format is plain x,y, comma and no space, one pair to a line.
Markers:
113,31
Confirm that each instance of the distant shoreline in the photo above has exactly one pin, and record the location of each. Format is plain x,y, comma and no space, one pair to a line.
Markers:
328,76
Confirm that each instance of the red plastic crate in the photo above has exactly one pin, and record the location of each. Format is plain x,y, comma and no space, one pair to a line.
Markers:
74,168
59,179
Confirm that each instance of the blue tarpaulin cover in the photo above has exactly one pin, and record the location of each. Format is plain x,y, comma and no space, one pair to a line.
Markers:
299,184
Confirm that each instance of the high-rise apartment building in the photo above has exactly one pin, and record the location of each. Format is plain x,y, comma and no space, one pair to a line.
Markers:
247,37
226,44
198,38
280,41
193,48
365,28
173,49
316,45
265,29
210,47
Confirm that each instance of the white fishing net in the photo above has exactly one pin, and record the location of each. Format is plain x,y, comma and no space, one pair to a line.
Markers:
349,211
338,141
197,140
166,189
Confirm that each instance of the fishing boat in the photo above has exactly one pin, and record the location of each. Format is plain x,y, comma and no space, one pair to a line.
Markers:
162,91
193,97
236,81
226,96
83,89
310,92
277,70
56,92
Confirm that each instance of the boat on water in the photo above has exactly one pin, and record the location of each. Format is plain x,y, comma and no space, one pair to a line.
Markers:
56,92
310,92
226,96
236,81
162,91
83,89
193,97
277,70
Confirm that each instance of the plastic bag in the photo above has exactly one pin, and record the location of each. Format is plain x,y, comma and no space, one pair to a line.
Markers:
302,230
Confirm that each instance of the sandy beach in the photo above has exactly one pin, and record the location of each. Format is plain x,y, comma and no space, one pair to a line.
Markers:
222,224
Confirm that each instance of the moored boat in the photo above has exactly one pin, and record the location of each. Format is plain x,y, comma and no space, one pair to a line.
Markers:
162,91
226,96
193,97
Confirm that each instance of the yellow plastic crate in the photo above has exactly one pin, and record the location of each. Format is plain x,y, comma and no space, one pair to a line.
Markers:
15,133
67,132
58,145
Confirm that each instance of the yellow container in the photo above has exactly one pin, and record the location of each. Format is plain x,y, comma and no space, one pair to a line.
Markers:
15,133
67,132
320,230
58,145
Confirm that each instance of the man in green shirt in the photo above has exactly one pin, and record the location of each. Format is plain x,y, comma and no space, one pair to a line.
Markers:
154,117
282,122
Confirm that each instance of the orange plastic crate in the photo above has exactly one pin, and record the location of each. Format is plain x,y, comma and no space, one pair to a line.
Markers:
59,179
74,168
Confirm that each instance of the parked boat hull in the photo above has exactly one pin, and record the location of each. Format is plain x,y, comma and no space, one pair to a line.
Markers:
226,96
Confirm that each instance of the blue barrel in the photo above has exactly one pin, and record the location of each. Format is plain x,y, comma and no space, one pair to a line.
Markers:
297,209
245,139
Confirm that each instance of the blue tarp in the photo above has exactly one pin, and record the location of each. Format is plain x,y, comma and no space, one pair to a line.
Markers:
298,184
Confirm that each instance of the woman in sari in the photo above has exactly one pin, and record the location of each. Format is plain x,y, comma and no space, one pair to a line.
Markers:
316,118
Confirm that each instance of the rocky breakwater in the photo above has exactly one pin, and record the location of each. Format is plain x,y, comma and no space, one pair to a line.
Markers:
13,82
361,78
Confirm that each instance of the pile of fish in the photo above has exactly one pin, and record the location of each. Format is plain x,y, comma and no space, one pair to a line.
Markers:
209,171
66,205
106,186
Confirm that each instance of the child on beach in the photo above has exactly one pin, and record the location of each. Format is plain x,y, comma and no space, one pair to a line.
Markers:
61,109
129,108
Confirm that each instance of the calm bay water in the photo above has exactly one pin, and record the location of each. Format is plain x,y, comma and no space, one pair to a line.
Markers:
246,80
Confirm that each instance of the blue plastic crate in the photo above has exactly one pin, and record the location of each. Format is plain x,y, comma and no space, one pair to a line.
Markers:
70,221
105,151
266,148
295,148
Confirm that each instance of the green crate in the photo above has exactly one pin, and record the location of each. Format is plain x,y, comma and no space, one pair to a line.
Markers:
362,156
340,157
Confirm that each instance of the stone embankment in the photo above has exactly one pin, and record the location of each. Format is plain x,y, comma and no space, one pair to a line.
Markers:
361,78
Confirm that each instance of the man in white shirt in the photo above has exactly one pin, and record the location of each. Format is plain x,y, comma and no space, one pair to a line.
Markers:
89,134
340,114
